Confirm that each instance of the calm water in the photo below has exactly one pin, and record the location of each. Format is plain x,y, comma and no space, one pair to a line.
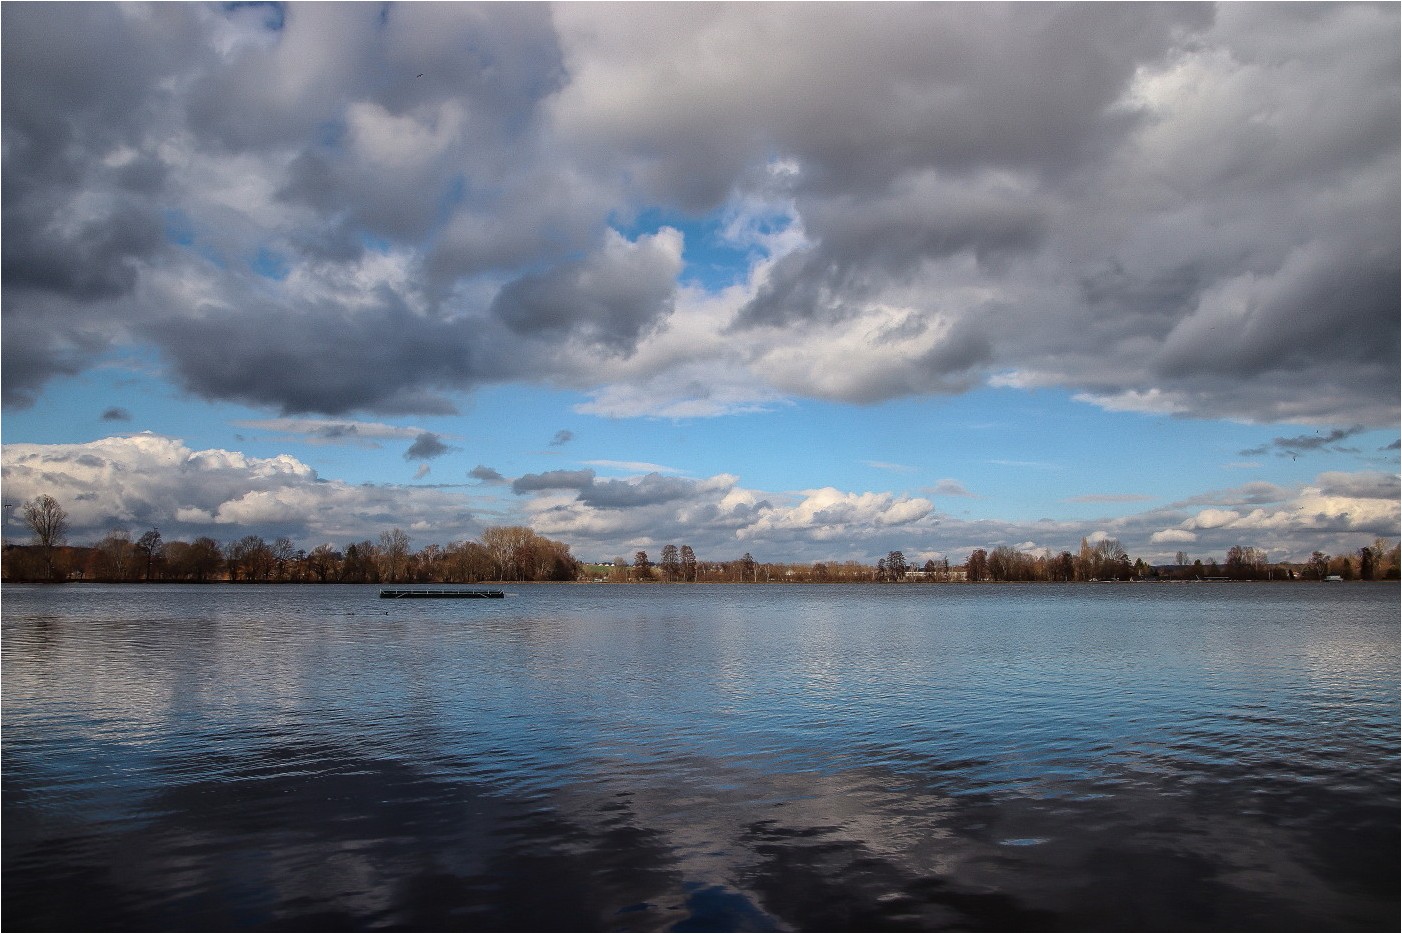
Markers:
702,758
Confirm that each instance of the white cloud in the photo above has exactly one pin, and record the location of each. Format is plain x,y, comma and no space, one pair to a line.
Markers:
1213,519
142,480
829,513
150,480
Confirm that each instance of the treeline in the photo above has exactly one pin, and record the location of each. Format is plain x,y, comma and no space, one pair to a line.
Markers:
516,553
508,553
1101,560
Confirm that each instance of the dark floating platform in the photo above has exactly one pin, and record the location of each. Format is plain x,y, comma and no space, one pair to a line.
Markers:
392,594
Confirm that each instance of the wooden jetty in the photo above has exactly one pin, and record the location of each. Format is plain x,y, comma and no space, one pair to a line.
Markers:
398,594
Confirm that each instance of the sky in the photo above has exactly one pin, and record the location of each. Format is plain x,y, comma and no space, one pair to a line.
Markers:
807,281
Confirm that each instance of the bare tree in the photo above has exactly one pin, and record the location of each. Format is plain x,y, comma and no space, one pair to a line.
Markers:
671,563
283,556
394,555
49,523
115,553
152,548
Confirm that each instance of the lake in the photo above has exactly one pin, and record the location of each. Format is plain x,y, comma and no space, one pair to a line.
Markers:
709,757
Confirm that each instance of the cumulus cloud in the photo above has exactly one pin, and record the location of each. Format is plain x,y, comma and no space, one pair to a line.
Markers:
611,298
1182,209
147,479
830,513
949,487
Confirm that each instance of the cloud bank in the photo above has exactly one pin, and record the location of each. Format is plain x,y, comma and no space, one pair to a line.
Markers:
146,480
1180,209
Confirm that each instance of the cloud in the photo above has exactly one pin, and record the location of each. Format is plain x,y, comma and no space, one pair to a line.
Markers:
949,488
610,299
333,431
116,414
641,466
423,471
563,436
648,490
426,446
830,513
147,479
1371,485
553,480
1303,443
486,475
1177,209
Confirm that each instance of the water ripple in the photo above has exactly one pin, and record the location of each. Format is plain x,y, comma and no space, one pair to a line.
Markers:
738,758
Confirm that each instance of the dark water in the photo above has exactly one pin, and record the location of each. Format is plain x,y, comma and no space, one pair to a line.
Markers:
702,758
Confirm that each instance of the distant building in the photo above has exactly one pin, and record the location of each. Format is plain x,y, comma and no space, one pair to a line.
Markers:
953,574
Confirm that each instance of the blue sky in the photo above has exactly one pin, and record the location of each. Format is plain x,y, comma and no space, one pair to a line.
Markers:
635,277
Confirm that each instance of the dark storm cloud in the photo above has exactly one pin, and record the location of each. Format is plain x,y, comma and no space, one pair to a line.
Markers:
82,179
865,244
1175,208
116,414
386,358
860,94
427,446
612,298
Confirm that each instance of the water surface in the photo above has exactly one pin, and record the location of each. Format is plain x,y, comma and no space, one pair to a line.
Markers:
582,757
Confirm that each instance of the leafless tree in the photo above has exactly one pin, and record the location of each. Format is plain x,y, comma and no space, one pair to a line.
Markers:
49,523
